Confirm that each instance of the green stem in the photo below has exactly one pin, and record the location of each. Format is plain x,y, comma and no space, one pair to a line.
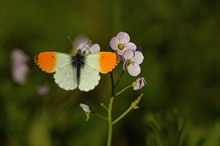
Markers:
112,80
123,90
110,122
106,108
122,115
119,78
101,116
132,106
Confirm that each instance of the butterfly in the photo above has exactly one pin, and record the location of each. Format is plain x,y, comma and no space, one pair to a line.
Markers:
80,70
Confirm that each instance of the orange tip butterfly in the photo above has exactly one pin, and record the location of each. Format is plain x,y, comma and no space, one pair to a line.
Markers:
80,70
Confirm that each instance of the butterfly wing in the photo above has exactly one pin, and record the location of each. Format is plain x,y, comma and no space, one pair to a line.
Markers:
52,61
104,62
66,77
89,78
61,64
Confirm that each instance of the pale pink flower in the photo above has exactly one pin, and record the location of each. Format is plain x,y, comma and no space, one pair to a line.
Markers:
132,60
121,42
139,83
43,90
85,46
20,67
85,108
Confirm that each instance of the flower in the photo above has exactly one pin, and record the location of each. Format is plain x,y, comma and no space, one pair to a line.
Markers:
84,45
121,42
43,90
132,61
86,109
139,83
19,68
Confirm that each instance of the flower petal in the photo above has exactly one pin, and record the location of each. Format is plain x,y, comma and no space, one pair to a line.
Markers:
95,48
134,69
85,108
80,39
125,64
114,43
128,54
138,57
131,46
139,83
123,37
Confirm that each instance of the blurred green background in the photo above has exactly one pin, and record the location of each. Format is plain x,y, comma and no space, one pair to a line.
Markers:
181,44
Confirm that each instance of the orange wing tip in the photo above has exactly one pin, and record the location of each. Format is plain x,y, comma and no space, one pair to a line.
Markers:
46,61
108,61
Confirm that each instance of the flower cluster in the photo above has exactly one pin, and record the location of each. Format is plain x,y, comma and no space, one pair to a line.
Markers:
129,53
20,67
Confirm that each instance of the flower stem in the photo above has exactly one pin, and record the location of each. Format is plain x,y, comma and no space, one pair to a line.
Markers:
123,90
101,116
110,121
112,80
122,73
132,106
122,115
105,107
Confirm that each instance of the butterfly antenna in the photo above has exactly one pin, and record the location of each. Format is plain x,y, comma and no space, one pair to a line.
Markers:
88,44
71,41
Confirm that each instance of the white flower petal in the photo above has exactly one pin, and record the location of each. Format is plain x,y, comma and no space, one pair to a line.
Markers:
123,37
138,57
134,69
95,48
131,46
114,43
85,108
128,54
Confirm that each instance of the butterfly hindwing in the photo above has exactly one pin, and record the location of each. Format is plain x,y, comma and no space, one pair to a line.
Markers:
66,77
89,78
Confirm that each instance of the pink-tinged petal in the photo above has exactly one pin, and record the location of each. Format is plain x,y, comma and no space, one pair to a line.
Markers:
131,46
84,47
95,48
85,107
139,83
128,54
19,73
120,52
125,64
114,43
19,65
18,56
80,41
43,90
134,69
123,37
138,57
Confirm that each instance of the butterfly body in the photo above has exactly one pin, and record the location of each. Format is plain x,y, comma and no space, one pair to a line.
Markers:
77,71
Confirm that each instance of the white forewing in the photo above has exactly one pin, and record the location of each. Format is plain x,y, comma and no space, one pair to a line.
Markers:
66,77
89,78
63,59
93,61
